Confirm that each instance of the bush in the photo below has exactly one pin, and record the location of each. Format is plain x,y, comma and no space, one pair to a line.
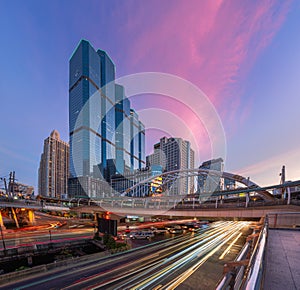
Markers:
109,241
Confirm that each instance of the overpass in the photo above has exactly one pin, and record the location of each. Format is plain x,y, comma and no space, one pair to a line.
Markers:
254,203
171,176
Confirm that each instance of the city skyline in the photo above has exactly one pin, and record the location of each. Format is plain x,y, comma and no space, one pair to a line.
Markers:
244,57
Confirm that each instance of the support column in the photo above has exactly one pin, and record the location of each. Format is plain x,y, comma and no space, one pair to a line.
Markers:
247,199
1,221
15,217
31,217
289,195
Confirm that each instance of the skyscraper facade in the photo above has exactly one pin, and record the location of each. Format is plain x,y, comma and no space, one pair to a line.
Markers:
211,183
99,123
137,141
54,167
174,154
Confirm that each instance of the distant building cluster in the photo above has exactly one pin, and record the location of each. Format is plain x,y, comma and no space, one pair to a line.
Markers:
106,150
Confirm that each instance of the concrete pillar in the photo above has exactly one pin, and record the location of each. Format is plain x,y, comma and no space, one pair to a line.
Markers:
31,217
1,221
247,199
15,217
289,195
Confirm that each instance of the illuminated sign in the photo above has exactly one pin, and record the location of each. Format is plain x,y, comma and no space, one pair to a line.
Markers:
156,185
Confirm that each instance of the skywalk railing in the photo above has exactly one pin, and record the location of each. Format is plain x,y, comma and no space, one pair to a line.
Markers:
247,273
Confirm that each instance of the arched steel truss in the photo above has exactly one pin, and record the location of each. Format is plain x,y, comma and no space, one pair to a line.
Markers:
170,176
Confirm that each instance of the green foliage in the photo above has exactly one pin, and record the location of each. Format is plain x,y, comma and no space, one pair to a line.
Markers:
109,241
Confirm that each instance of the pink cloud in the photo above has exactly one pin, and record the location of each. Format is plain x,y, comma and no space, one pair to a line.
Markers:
208,42
213,44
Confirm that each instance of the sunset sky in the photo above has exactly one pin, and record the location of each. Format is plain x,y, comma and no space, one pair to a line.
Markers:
243,55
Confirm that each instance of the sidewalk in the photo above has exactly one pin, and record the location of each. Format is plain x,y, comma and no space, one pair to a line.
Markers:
283,260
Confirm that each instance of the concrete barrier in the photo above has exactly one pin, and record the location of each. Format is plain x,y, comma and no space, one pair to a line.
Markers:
284,220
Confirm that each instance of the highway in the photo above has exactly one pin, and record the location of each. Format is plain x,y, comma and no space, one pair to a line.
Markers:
162,265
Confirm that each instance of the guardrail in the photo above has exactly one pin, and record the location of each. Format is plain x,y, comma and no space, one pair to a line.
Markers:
233,278
246,273
255,270
251,277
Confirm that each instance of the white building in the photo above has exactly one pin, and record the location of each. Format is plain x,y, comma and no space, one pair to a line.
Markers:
174,154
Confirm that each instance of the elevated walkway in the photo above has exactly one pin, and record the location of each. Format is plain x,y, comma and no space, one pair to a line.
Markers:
254,212
282,269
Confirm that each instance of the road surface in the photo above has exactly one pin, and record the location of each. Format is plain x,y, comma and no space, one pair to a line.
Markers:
165,264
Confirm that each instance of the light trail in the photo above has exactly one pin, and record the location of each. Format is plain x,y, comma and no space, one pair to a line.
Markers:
227,233
161,265
176,282
211,233
229,247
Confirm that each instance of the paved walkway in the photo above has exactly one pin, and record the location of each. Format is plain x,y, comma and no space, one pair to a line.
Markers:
283,260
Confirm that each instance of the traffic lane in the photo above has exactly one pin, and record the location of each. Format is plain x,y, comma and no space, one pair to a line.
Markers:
133,267
165,273
193,264
105,281
79,273
74,273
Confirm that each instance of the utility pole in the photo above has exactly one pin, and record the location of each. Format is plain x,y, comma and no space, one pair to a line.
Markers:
10,183
282,181
5,185
13,184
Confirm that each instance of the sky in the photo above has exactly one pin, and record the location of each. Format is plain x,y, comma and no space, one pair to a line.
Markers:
243,55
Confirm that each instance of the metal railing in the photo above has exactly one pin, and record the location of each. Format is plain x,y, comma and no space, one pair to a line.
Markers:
233,279
248,274
255,270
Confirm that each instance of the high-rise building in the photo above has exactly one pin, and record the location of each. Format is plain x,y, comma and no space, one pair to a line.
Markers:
100,121
210,183
122,121
137,141
174,154
121,182
54,167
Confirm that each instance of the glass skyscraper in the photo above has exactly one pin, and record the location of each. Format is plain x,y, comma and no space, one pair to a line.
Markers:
99,124
211,183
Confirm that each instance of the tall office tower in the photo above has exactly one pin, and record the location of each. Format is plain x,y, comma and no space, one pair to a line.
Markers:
137,142
54,167
122,115
174,154
91,119
211,183
99,123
